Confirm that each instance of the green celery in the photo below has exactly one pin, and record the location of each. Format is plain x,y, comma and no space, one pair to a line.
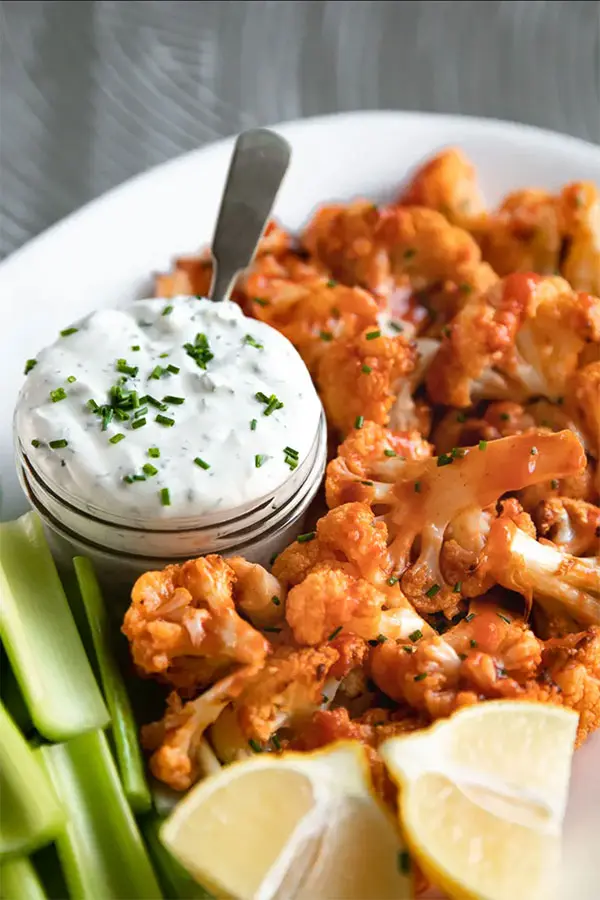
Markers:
101,850
11,696
19,881
124,726
176,882
40,636
30,814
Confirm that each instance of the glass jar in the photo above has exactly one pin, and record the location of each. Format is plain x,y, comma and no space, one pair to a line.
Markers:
121,551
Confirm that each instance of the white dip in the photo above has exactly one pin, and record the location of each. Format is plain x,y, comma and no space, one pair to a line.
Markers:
171,408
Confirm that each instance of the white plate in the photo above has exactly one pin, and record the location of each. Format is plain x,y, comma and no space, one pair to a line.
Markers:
104,255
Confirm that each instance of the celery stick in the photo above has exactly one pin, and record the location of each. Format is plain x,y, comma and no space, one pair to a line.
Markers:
19,881
124,726
30,814
11,695
40,636
101,850
176,882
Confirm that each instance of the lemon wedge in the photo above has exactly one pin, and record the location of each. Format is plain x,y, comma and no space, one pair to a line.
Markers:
301,825
483,796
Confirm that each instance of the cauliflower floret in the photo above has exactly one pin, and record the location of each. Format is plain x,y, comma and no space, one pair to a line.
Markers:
421,498
583,401
182,624
573,666
580,210
257,594
177,739
360,377
573,525
523,339
542,572
360,453
447,183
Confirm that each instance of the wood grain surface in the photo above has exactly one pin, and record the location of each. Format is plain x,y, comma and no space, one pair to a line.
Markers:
92,93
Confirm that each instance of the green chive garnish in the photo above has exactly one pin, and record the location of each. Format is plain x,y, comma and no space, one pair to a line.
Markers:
71,379
289,451
124,369
255,746
421,676
116,438
261,301
259,460
29,365
367,483
359,421
58,445
417,487
199,351
273,405
408,254
470,617
154,452
335,633
149,469
140,412
138,423
201,463
461,417
135,348
272,629
457,587
371,335
262,398
473,643
175,401
164,420
534,451
397,327
174,370
165,497
389,453
152,401
392,580
58,394
252,424
505,417
128,479
504,618
162,355
433,590
482,445
415,636
554,484
156,372
276,742
167,310
275,601
404,862
366,370
305,538
67,331
91,404
36,443
252,342
331,283
326,335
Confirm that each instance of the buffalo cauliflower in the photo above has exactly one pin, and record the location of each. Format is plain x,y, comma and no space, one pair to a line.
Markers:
572,525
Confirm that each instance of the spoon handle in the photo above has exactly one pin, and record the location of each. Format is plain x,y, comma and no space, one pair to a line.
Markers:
258,165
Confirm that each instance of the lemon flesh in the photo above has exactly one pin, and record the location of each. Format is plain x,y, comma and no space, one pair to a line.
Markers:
302,826
483,797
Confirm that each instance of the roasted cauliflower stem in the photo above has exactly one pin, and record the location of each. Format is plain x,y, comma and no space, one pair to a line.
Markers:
361,377
422,498
257,594
542,572
390,248
176,739
572,525
523,339
193,274
534,231
447,183
183,625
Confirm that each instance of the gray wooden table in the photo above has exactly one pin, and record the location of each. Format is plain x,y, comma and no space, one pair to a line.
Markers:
92,93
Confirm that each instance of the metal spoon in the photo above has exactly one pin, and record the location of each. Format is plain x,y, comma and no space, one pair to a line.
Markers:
258,165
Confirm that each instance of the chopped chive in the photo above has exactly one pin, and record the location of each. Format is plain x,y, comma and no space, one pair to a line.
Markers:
201,463
175,401
275,601
404,862
164,420
91,404
444,459
335,633
505,417
324,698
174,370
389,453
121,415
124,369
199,351
58,445
273,558
154,452
138,423
142,411
273,405
466,288
259,459
252,424
36,443
152,401
289,451
415,636
252,342
392,580
359,421
409,253
165,497
156,372
458,453
446,331
255,746
276,742
462,656
397,327
482,445
305,538
534,451
366,370
67,331
58,394
473,643
149,469
461,417
421,676
326,336
271,629
167,310
262,398
71,379
554,484
417,487
331,283
372,335
163,356
260,300
408,649
470,617
138,477
433,590
128,479
457,587
504,618
367,483
116,438
29,365
135,347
